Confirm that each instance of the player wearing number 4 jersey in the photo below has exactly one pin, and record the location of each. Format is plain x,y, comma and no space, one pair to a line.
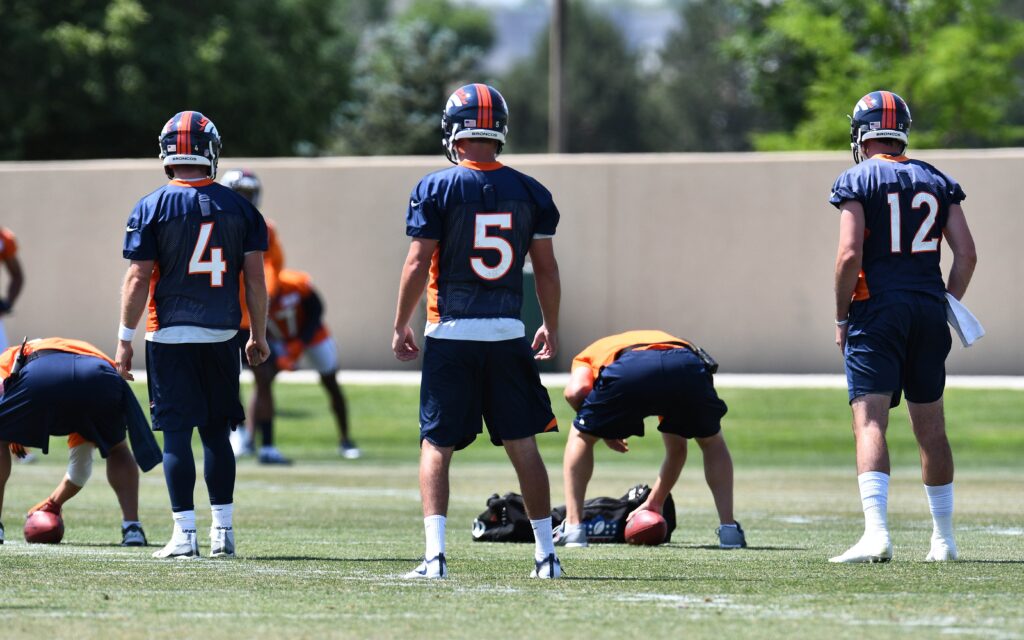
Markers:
188,242
472,227
891,311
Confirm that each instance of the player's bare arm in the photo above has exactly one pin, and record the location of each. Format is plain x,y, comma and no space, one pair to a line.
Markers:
671,467
848,263
134,294
256,350
965,256
17,281
410,289
549,294
581,382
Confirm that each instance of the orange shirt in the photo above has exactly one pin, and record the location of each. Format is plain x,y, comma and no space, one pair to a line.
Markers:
287,312
602,353
273,263
8,244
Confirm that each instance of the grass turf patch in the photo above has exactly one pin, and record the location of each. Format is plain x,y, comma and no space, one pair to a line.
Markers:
321,544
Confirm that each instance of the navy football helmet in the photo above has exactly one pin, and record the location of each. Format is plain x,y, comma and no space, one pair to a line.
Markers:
244,182
189,137
879,114
473,111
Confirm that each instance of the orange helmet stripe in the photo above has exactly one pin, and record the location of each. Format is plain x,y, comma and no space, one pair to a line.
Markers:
484,110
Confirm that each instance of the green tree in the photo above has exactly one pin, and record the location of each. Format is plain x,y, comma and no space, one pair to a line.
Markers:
952,60
87,78
702,97
403,75
606,97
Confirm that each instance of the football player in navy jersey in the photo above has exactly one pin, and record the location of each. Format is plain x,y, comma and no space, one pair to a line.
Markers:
891,311
188,241
472,226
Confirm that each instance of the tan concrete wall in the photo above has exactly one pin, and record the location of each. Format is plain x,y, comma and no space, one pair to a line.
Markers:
734,251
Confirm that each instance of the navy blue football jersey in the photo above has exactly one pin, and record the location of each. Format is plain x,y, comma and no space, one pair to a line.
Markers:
198,233
484,215
906,205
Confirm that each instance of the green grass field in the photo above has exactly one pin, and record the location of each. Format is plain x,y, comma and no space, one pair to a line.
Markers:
321,544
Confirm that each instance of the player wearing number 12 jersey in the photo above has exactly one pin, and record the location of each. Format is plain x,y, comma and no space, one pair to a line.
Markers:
188,242
472,226
891,311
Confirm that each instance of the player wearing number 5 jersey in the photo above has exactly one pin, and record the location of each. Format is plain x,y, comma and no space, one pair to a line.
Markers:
188,242
472,226
891,311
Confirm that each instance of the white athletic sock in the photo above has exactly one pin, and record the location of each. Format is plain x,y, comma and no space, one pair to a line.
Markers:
434,529
874,499
184,521
940,503
222,515
127,523
542,535
571,528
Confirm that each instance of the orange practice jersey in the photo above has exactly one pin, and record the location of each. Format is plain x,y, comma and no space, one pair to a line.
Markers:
273,263
602,353
287,311
66,345
8,244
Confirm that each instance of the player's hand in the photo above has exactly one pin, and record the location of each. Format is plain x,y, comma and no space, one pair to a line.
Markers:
646,506
403,343
617,444
123,359
46,505
545,343
841,333
256,351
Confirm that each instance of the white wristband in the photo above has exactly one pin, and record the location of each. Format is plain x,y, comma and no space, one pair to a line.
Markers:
842,323
124,333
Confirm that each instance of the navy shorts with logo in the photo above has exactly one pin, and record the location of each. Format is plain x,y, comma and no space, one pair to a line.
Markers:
670,383
898,342
59,393
465,381
193,384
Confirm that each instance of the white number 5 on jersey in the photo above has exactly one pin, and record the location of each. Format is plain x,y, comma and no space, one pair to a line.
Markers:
481,240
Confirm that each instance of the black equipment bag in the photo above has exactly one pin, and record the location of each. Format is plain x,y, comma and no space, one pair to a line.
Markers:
604,518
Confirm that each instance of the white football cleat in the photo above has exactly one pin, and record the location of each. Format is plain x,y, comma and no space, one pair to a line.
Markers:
943,550
184,545
222,542
869,549
547,569
436,568
349,450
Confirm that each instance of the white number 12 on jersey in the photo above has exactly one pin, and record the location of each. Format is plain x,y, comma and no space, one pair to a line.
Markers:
483,241
921,242
215,266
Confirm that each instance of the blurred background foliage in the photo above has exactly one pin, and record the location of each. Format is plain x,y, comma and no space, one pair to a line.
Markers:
98,78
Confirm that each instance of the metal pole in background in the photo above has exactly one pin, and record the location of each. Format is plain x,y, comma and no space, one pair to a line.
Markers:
557,134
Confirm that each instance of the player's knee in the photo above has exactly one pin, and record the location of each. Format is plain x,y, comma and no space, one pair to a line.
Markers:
80,464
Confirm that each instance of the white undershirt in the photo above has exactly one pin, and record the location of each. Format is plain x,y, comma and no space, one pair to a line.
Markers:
185,334
477,329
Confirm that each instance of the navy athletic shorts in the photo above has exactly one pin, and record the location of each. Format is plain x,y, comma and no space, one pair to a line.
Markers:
193,384
670,383
898,342
464,381
57,394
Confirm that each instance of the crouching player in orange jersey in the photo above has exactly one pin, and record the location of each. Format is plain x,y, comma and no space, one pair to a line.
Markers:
296,328
60,387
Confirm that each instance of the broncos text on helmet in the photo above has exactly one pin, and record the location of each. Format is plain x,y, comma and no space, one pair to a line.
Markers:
879,114
244,182
189,137
473,111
